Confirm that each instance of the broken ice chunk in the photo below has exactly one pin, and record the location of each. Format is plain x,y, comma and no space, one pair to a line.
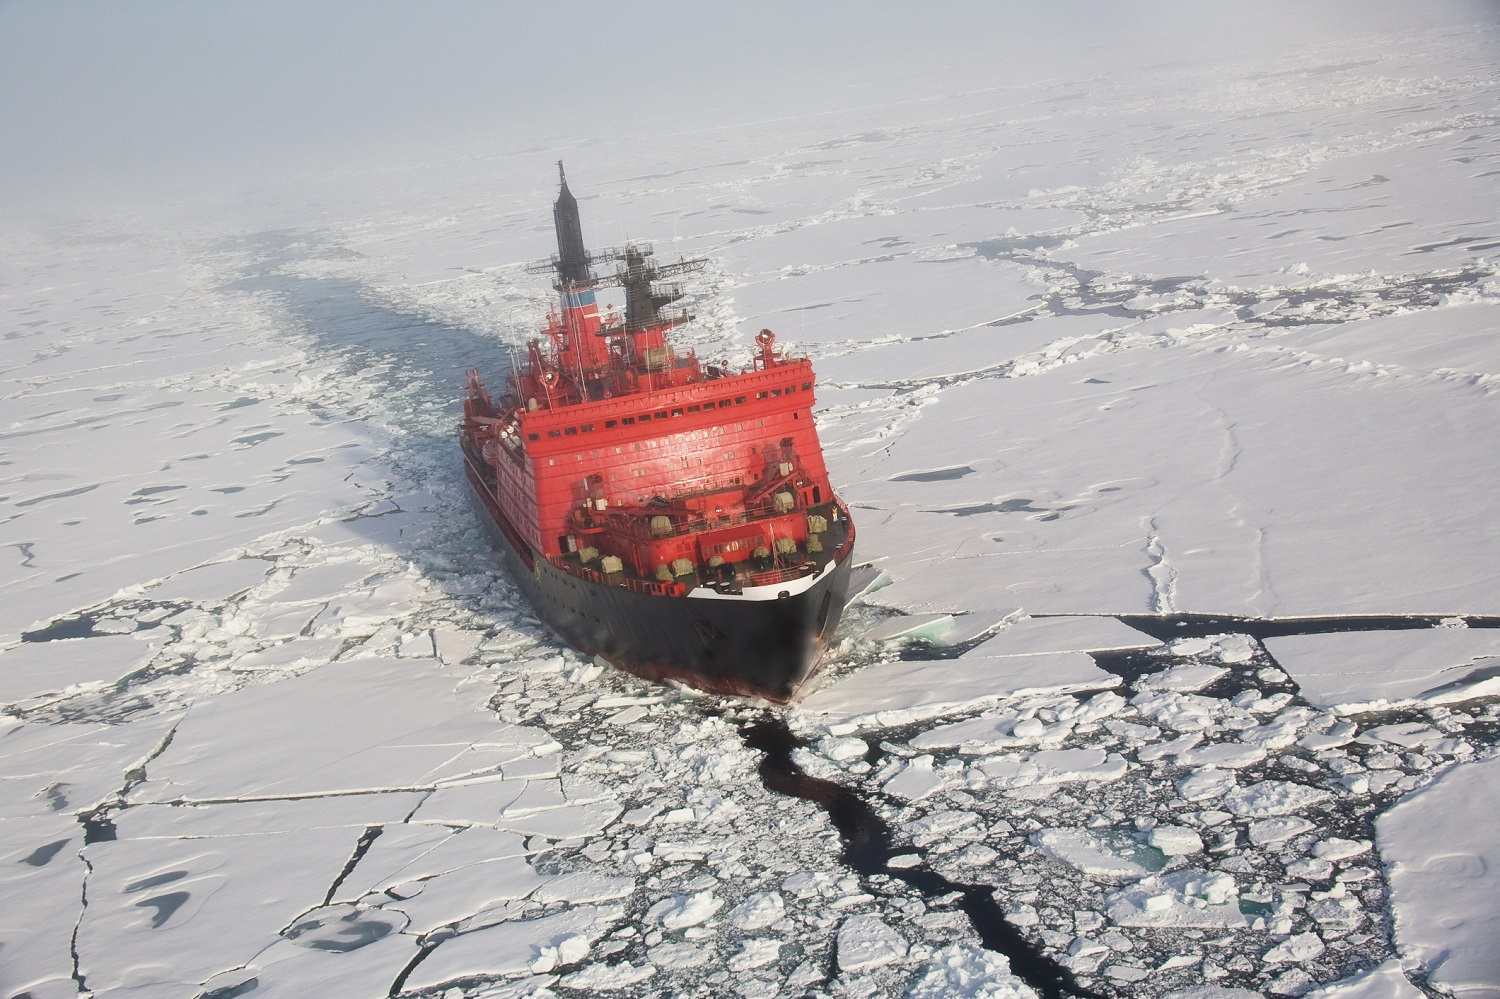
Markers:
1116,856
1268,832
1228,755
866,943
756,952
1186,678
681,911
916,780
842,750
1273,797
758,910
910,626
1204,784
1309,869
944,826
1176,841
1339,849
1187,898
1296,949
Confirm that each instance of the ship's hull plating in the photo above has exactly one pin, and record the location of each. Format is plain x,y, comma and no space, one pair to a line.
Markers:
739,646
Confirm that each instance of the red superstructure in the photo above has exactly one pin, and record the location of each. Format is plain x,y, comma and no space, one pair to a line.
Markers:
626,465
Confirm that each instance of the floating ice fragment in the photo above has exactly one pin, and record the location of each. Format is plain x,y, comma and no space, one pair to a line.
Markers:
1115,856
842,750
756,952
1228,755
1181,744
1268,832
1176,841
684,910
1339,849
1176,711
1407,735
680,956
584,886
606,977
973,855
807,884
1273,797
1295,950
758,910
967,970
865,942
1204,784
1386,980
909,626
1309,869
1130,730
1186,678
1029,729
940,826
916,780
1184,647
1336,736
1187,898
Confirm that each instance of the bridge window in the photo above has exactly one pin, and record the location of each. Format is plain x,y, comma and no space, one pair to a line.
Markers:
739,400
694,409
571,431
611,424
628,421
554,433
676,412
587,428
776,393
661,415
807,386
760,395
533,437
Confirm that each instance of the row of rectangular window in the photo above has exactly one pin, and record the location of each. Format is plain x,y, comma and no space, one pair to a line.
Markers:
663,414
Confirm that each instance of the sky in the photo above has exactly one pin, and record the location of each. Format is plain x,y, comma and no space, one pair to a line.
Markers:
100,100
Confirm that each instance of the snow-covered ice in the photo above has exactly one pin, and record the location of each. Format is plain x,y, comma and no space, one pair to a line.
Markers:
1142,383
1444,893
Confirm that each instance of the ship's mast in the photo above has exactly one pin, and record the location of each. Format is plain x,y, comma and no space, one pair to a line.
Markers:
594,359
572,257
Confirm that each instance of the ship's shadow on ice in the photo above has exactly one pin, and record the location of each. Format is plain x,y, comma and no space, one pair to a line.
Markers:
341,315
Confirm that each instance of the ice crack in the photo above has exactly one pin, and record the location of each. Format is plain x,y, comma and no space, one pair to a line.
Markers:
868,850
1161,572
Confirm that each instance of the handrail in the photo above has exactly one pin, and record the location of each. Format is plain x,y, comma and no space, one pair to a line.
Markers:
650,587
634,521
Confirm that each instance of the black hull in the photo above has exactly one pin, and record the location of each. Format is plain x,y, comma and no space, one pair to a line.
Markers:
727,645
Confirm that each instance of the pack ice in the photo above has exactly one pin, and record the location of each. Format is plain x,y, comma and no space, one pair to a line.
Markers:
1165,401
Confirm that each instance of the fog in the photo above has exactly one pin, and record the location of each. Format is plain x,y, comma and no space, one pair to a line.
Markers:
115,104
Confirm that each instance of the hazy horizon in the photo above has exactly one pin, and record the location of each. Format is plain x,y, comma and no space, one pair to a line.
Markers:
107,105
